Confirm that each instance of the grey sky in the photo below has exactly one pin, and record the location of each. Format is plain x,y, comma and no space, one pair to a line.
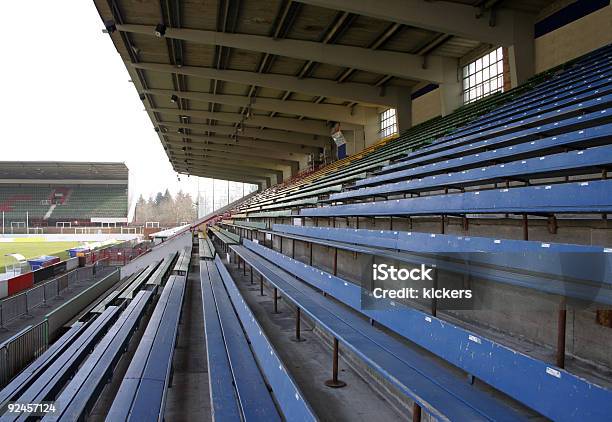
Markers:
66,95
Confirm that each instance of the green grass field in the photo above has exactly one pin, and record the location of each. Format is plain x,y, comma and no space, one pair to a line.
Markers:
34,249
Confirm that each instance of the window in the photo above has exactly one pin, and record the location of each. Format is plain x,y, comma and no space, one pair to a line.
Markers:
388,123
484,76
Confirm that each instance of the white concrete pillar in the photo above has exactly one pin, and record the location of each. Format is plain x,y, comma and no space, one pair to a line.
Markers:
521,54
403,109
450,89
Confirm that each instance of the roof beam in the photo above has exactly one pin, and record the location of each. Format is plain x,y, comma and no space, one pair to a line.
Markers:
222,165
275,175
232,151
244,141
401,65
227,144
349,91
306,126
446,17
309,142
261,182
332,112
236,159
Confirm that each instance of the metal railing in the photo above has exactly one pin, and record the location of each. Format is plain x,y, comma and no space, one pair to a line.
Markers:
21,349
22,303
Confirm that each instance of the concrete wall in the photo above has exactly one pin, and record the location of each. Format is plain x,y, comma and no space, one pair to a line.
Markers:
574,39
426,107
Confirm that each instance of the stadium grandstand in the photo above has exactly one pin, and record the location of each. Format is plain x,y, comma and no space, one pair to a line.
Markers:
431,237
41,194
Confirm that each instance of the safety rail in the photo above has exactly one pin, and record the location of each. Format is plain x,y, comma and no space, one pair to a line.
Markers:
22,303
21,349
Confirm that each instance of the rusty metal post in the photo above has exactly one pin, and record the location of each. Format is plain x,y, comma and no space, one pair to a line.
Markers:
261,292
310,244
416,412
335,261
561,325
335,382
298,328
275,300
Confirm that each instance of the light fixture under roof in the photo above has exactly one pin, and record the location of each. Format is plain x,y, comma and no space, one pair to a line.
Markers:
173,98
109,27
160,30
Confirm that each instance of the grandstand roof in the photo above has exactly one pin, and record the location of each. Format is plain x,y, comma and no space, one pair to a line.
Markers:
63,170
255,83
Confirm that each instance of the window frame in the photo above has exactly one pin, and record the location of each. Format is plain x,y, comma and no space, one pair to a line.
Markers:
483,77
387,123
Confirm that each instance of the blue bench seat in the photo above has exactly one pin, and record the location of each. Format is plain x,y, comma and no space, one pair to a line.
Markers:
591,160
579,197
142,393
534,383
81,394
440,392
48,383
459,149
255,402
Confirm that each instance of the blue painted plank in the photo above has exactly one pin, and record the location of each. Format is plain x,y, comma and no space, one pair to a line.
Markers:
18,384
439,402
458,149
82,391
532,116
53,378
567,270
122,404
255,400
551,391
224,402
535,256
577,139
149,398
566,163
580,197
285,390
